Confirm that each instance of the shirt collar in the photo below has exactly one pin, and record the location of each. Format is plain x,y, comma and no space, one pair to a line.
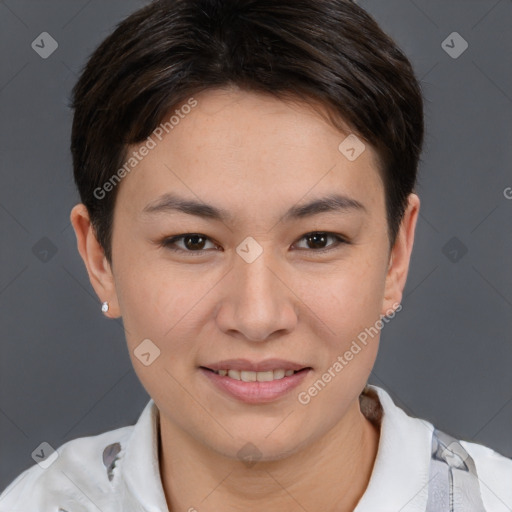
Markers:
140,465
399,479
400,476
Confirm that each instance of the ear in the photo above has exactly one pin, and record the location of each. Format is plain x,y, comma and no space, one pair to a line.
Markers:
98,268
400,256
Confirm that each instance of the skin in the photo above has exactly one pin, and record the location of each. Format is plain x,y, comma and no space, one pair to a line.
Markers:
254,156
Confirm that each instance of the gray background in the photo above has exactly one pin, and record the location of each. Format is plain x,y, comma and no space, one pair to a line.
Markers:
446,357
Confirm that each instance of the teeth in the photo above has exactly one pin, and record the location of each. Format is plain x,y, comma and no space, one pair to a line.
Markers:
248,376
234,374
265,376
279,374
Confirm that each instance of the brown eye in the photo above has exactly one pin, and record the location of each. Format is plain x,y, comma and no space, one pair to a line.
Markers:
191,242
194,242
318,241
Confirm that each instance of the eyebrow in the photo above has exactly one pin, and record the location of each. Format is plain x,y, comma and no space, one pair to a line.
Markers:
168,203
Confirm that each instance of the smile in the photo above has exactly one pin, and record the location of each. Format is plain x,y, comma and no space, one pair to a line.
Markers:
251,386
249,376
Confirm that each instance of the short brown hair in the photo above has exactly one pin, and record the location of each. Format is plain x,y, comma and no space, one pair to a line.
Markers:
328,51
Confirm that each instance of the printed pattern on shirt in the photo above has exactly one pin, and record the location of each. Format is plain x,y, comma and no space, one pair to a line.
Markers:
453,479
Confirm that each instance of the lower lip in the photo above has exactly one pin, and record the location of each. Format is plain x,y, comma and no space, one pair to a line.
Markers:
256,392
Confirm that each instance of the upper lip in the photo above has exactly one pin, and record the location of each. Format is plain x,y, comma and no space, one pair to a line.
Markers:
252,366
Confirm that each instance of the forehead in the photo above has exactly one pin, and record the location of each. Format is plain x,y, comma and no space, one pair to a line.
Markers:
244,148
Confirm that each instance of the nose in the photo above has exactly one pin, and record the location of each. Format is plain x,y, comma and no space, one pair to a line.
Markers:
257,304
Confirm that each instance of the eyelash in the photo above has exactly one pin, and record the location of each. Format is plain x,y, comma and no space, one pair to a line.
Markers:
169,242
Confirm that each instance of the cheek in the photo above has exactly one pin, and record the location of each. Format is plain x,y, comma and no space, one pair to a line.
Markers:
165,305
347,298
155,308
345,311
150,306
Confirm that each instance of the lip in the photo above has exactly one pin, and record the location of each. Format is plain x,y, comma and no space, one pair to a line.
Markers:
251,366
256,392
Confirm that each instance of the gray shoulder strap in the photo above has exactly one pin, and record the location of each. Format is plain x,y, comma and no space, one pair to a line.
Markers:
453,480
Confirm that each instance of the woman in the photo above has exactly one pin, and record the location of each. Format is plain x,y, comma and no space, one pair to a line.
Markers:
247,172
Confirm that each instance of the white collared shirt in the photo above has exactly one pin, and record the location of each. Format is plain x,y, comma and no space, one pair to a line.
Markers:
417,469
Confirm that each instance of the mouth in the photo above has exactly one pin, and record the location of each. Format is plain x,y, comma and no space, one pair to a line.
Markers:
255,382
252,376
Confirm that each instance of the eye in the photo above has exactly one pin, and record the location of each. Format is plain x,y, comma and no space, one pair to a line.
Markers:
197,242
192,242
317,241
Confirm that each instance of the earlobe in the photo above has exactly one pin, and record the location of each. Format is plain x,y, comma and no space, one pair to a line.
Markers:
93,256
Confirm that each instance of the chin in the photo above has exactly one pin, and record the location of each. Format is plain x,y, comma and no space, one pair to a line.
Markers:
259,446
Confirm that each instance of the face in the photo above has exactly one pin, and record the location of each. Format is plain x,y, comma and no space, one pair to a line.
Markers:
222,260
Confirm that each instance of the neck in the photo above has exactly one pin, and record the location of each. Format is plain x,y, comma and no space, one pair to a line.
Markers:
329,474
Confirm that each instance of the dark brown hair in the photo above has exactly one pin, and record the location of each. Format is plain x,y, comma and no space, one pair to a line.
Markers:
326,51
